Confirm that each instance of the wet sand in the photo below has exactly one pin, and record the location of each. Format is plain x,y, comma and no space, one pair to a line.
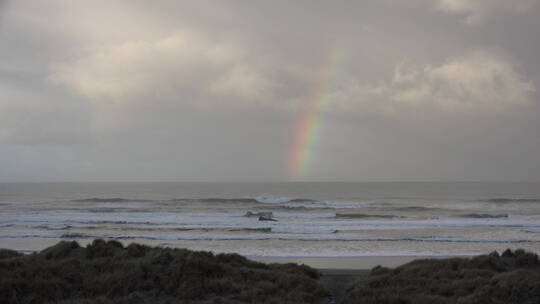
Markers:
338,280
338,273
346,263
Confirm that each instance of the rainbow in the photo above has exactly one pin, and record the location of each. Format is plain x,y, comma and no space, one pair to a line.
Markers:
308,129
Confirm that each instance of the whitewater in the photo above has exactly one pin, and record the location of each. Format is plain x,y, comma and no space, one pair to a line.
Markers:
278,219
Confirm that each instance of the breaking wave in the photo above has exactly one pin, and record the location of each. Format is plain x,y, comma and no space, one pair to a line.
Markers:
301,231
109,200
512,200
483,215
291,215
304,215
296,202
338,205
366,216
414,208
52,227
61,221
77,236
281,200
254,200
531,230
266,238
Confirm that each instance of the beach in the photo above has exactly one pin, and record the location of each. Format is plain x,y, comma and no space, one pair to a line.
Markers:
338,280
346,263
339,274
342,230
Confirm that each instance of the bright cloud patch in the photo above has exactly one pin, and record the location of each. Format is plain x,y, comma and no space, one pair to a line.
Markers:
479,80
477,11
183,64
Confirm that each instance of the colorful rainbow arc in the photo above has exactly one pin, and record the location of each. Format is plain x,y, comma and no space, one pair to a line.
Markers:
308,130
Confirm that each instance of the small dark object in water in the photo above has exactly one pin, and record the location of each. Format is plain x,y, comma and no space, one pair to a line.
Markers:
262,213
264,218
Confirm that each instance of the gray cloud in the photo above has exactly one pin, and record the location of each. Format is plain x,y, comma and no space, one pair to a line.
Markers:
478,11
477,81
182,61
132,90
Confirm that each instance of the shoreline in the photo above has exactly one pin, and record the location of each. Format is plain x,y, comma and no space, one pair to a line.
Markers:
359,262
351,263
324,263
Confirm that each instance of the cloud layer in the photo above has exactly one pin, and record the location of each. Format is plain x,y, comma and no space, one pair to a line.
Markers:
215,91
181,62
479,11
477,81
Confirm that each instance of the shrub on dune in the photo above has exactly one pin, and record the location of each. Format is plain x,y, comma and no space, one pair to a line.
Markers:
107,272
510,278
8,253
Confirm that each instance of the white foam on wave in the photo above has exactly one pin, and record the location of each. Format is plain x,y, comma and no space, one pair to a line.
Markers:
364,224
112,217
524,217
211,214
59,220
291,215
462,206
149,218
29,235
350,225
303,215
347,205
300,231
176,237
51,227
273,200
492,217
330,205
123,204
531,230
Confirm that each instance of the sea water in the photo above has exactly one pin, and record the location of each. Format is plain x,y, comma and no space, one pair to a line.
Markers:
311,219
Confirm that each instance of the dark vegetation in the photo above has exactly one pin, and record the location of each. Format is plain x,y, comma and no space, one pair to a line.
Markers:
513,277
108,272
7,253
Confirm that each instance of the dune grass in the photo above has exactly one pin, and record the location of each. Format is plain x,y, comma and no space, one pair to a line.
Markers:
107,272
513,277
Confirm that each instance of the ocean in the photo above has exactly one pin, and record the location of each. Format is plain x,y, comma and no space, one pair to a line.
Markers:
311,219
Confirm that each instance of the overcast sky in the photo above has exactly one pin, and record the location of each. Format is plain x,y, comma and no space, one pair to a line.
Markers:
432,90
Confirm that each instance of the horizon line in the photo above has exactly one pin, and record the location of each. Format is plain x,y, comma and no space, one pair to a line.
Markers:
268,182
